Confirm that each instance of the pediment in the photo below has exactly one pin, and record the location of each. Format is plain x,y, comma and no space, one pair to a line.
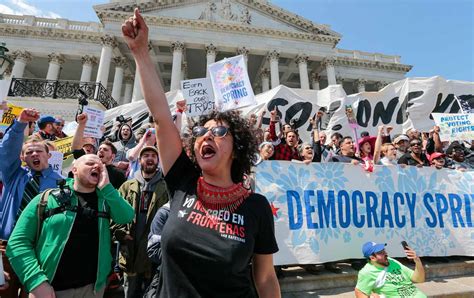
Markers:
258,14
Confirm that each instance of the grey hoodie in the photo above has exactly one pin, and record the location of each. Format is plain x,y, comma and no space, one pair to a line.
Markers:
124,145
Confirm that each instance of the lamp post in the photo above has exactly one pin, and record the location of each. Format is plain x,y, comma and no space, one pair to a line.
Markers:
5,62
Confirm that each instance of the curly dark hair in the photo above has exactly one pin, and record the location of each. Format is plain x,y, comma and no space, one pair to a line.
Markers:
245,143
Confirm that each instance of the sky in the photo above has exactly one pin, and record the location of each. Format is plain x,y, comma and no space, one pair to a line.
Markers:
435,36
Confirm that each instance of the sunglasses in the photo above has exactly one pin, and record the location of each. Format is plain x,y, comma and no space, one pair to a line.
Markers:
217,131
415,144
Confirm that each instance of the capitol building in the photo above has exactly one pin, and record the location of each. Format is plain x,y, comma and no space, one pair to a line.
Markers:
58,61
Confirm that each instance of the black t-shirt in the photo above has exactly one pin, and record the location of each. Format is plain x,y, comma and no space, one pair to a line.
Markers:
203,259
407,159
116,176
78,264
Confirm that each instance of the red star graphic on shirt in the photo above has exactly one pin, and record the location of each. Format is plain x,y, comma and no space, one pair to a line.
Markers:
274,210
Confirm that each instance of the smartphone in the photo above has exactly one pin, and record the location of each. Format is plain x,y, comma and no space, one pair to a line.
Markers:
405,245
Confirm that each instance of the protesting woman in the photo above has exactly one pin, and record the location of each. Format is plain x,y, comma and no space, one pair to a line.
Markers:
216,227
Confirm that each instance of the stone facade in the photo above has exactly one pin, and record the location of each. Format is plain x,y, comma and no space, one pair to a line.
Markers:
185,36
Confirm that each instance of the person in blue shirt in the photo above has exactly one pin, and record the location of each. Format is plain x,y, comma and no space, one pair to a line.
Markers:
15,176
21,183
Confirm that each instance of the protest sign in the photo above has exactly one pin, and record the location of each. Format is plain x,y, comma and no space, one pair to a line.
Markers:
231,84
64,145
95,121
56,161
10,115
402,105
455,126
198,95
4,87
323,214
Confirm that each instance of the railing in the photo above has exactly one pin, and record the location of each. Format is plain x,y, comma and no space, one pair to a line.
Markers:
27,20
61,89
368,56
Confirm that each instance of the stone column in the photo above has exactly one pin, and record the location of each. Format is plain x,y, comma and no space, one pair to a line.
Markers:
88,63
330,71
177,49
265,80
211,53
380,85
21,58
184,72
245,52
302,61
137,88
315,81
55,62
108,44
274,73
339,80
360,83
127,95
120,63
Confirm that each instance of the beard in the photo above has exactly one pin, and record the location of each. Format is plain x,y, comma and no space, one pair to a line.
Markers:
149,169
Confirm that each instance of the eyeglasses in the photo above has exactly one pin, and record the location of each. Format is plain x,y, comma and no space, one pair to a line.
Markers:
217,131
415,144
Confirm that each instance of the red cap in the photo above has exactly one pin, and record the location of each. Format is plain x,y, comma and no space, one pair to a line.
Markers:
436,155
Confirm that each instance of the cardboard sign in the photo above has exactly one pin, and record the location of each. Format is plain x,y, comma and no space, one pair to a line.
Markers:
95,120
8,116
198,95
231,84
56,161
455,126
64,145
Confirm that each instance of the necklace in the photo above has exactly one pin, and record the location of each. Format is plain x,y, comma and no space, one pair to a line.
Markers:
219,198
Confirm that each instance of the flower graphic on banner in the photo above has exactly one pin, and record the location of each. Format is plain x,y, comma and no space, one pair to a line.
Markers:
331,175
229,73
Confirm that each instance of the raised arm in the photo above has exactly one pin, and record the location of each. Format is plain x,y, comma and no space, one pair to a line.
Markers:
378,144
135,33
79,135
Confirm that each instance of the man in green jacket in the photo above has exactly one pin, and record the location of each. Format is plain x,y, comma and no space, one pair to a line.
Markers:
71,255
147,192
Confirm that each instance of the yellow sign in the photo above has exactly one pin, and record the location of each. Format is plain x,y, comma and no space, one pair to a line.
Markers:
64,145
10,114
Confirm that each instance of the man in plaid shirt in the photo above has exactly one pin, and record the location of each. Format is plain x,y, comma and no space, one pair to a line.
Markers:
285,150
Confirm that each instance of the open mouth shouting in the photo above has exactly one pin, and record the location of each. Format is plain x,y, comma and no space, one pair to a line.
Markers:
95,174
36,162
207,151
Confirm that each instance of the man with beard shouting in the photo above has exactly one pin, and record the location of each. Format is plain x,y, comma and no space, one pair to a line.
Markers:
385,277
147,192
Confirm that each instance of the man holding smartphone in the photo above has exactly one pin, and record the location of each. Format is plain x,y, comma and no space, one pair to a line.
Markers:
386,277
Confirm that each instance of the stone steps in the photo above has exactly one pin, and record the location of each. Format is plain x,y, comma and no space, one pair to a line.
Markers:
452,279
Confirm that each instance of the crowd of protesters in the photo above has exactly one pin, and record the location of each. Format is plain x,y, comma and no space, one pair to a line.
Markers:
119,184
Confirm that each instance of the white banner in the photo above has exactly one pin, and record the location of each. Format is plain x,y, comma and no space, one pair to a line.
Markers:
198,95
455,126
231,83
323,214
402,104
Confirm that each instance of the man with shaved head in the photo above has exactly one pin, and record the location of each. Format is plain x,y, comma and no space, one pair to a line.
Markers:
63,250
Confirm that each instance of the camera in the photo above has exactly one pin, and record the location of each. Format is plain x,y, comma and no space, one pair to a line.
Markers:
120,119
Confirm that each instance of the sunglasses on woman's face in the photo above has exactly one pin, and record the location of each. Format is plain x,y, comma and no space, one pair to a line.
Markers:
217,131
415,144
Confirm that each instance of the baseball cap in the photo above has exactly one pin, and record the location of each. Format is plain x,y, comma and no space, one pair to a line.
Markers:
401,138
371,247
148,148
435,155
46,119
